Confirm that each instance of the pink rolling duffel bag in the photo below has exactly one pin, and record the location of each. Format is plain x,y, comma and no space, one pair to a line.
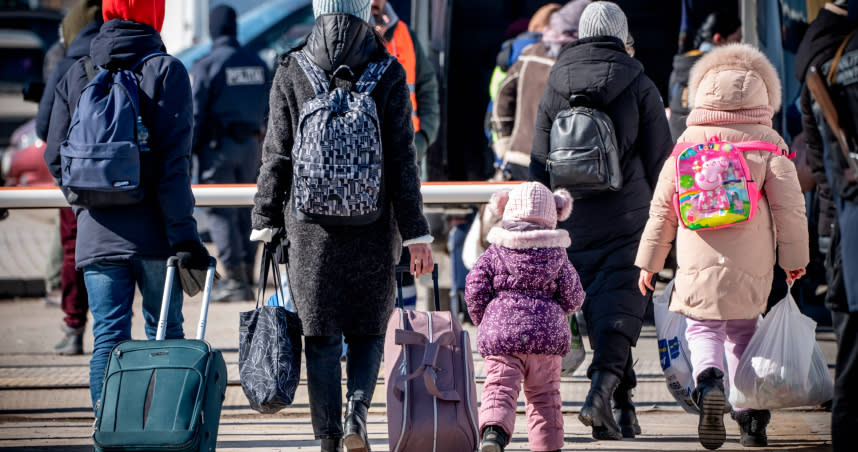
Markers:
429,375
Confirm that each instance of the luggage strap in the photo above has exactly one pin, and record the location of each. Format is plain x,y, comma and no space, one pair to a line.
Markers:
428,366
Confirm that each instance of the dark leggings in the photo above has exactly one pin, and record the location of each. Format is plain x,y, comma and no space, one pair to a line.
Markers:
324,376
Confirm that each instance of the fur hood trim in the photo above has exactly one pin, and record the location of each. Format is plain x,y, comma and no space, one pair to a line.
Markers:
742,57
519,240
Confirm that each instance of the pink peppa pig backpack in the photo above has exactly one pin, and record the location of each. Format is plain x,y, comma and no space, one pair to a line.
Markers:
714,188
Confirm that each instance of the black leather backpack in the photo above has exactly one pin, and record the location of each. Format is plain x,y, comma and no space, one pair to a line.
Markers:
583,156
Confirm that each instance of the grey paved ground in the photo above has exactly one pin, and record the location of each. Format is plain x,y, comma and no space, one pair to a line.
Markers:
44,399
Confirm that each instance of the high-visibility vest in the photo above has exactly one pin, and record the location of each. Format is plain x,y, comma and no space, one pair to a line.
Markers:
402,47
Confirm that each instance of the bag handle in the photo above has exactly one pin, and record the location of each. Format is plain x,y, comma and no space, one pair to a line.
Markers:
832,73
579,100
268,261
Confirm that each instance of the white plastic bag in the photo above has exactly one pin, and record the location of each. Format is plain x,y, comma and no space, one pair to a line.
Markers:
783,366
472,249
576,355
673,350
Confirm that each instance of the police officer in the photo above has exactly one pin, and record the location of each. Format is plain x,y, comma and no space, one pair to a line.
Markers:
230,87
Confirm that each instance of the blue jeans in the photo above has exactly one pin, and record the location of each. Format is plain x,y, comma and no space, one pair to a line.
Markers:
111,294
324,373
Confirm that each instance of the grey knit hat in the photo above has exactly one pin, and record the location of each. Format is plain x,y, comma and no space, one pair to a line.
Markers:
603,19
358,8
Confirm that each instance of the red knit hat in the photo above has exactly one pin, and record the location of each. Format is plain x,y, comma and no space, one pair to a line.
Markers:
150,12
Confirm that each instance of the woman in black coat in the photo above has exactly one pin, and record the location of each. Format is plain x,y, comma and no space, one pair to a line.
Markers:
342,277
606,228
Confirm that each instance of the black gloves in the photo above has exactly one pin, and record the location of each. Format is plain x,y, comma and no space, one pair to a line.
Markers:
193,264
192,255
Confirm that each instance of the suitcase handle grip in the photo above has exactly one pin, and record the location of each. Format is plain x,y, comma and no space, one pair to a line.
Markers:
172,266
400,269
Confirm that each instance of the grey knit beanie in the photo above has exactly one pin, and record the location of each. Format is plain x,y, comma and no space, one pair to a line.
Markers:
603,19
358,8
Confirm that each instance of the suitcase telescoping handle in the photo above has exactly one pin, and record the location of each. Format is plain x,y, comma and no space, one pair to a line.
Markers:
172,265
400,269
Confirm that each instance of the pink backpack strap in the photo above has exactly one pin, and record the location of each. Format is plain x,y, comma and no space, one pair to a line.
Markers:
763,146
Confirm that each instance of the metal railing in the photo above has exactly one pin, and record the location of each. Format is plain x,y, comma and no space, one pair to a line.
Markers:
242,195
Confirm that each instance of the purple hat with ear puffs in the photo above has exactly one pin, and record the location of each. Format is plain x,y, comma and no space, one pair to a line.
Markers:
531,205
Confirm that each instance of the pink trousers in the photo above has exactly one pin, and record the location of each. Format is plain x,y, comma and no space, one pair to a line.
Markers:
709,339
541,375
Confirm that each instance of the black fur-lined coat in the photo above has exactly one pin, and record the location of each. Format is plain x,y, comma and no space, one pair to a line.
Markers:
342,277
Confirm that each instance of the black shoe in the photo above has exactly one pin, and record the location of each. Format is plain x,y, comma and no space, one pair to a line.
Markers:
710,400
332,445
495,439
752,425
355,438
624,413
596,411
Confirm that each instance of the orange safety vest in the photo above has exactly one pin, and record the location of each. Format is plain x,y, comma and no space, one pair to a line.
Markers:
402,47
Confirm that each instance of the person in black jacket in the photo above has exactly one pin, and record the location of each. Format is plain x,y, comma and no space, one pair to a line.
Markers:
230,87
819,48
719,28
78,28
606,228
342,277
120,247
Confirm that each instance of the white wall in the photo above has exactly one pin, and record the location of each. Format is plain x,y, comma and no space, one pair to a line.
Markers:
186,22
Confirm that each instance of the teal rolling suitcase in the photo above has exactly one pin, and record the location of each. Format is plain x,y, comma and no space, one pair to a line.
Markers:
164,394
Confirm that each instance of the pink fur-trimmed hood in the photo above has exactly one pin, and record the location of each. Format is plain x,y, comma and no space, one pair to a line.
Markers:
734,77
519,240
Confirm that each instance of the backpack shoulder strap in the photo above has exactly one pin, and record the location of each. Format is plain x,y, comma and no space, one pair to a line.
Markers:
372,75
763,146
314,74
832,73
89,67
146,58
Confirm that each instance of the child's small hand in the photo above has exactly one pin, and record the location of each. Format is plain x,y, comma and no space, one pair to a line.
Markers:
645,281
793,275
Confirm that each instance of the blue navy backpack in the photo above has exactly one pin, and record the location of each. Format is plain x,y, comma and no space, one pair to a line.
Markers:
101,161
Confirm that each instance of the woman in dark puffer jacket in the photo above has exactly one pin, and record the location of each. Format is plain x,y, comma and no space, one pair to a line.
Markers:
607,227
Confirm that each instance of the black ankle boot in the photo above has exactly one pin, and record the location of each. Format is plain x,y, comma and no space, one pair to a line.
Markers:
332,445
752,426
624,413
596,411
710,400
355,438
494,439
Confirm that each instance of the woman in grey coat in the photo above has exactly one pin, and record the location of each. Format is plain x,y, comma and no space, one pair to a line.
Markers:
342,276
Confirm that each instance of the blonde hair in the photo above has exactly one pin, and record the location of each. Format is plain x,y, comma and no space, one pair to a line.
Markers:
542,17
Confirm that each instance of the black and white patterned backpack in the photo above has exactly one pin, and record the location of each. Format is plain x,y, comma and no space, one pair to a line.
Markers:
337,152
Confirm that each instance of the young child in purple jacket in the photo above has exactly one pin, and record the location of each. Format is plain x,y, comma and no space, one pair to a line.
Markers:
519,294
